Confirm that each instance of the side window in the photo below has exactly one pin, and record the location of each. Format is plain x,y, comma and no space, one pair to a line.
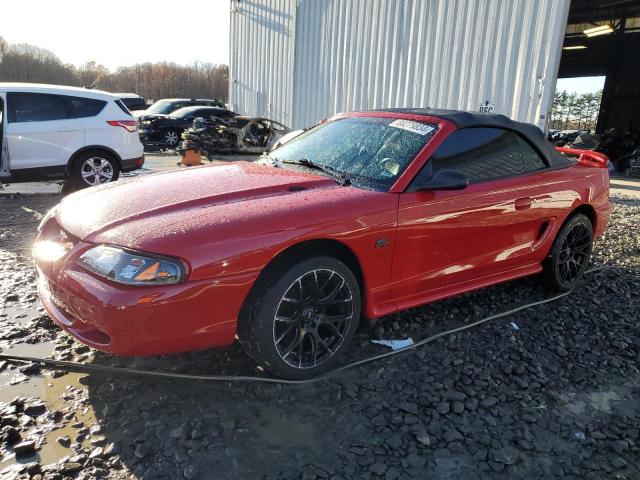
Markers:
484,154
36,107
85,107
531,160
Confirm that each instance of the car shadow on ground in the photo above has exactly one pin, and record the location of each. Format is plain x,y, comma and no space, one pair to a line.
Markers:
512,398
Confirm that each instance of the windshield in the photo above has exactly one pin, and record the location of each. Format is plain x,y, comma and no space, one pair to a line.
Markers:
373,152
160,107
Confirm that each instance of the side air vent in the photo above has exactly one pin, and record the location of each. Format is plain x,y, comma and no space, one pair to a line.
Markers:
542,230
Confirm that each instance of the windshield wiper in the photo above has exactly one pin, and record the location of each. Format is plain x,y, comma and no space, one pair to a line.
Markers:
341,177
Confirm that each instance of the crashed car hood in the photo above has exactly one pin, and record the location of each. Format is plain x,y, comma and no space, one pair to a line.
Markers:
123,212
155,116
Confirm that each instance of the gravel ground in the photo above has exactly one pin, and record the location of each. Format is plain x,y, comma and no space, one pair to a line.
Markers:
553,391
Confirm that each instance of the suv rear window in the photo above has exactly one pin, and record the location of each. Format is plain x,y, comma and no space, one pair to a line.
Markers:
85,107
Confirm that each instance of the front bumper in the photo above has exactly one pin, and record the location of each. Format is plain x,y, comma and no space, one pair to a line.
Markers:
145,320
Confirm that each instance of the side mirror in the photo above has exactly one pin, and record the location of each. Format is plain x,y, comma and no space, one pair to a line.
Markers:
444,180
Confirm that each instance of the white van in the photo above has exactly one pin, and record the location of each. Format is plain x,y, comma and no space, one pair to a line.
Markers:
53,132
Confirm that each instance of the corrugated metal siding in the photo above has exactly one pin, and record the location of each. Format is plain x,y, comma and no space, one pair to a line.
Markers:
262,39
363,54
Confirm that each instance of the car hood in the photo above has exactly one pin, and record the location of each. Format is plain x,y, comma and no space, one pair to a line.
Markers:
154,117
125,212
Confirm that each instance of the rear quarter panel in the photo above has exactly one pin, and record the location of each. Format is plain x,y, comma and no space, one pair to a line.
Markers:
564,190
98,132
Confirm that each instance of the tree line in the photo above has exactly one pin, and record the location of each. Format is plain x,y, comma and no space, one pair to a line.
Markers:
573,111
29,63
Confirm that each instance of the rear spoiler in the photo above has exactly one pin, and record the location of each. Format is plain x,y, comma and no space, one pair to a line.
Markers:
588,158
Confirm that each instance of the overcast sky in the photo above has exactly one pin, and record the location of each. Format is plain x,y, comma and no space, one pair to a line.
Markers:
118,33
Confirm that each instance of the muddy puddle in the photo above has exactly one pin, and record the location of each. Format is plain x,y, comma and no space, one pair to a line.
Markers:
616,399
13,383
64,394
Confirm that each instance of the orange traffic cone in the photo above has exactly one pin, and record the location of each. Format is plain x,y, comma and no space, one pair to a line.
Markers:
191,157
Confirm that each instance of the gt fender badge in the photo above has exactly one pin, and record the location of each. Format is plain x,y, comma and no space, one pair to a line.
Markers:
382,242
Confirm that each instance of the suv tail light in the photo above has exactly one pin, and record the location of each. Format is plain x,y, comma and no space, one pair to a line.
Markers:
128,125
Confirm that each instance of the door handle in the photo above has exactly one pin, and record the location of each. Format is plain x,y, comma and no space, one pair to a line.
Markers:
67,129
523,203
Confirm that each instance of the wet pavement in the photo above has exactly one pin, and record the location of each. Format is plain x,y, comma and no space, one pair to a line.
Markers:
556,395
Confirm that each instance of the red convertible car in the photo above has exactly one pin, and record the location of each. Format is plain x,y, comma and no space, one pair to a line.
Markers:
363,215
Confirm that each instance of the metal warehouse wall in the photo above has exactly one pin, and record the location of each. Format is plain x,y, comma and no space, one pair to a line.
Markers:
338,55
261,58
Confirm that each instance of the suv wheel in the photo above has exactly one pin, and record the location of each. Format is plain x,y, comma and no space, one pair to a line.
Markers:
94,168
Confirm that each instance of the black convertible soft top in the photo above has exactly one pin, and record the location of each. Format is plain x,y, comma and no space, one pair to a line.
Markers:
462,119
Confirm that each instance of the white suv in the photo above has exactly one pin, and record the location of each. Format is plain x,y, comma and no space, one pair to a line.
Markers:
50,132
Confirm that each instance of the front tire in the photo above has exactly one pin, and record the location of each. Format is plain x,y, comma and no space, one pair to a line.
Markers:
302,318
570,253
171,138
94,168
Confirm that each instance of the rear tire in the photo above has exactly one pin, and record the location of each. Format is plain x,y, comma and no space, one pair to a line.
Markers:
570,253
94,168
301,317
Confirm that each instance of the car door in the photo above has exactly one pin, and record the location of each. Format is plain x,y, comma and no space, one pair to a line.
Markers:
41,131
448,237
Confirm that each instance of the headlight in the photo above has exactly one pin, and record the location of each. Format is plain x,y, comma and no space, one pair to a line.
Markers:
132,268
49,251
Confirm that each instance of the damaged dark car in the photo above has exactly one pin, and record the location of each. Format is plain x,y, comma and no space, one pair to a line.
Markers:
166,130
236,134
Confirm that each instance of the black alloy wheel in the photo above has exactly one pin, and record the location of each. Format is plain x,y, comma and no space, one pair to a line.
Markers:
301,317
313,318
574,253
569,256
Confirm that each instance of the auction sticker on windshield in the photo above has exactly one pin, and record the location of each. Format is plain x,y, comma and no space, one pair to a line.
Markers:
411,126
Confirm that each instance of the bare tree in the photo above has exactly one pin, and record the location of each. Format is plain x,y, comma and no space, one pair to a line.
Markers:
28,63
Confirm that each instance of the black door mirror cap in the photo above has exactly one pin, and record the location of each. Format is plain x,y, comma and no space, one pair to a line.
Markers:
443,180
